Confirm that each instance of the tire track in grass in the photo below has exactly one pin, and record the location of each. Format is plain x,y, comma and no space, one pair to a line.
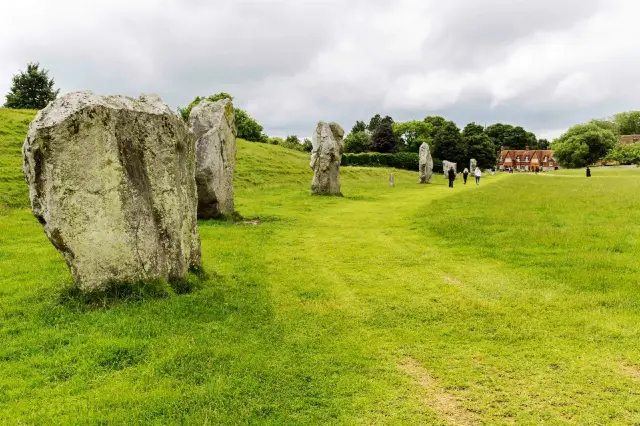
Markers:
445,404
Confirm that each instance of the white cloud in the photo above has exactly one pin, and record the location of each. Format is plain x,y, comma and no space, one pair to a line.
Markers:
543,64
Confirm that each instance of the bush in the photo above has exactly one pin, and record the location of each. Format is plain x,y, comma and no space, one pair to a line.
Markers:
625,154
401,160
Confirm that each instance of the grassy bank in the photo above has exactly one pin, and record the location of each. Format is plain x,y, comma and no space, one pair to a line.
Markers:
510,302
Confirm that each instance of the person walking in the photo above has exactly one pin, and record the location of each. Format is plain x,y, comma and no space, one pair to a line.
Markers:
465,175
478,174
452,177
588,172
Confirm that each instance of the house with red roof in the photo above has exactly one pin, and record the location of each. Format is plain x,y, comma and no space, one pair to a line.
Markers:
527,159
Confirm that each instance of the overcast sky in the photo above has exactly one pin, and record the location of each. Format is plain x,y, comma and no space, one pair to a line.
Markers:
543,64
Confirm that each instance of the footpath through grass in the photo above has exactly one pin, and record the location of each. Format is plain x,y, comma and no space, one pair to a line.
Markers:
511,302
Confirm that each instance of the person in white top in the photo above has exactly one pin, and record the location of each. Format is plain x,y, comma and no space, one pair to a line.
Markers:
478,174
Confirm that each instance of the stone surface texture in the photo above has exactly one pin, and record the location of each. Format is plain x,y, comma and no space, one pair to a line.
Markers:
214,126
326,156
472,165
446,165
426,164
392,180
112,180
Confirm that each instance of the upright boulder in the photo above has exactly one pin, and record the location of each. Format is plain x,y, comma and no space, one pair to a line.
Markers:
472,165
446,165
214,125
326,156
426,164
112,180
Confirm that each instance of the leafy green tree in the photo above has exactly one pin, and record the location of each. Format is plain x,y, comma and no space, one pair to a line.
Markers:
543,144
625,154
411,134
583,144
248,128
480,147
519,138
307,145
383,139
374,123
357,142
449,144
498,134
436,123
359,127
607,125
472,129
31,89
628,122
185,112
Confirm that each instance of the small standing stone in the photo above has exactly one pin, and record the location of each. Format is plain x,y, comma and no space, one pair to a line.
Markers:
392,180
446,165
326,156
426,164
472,165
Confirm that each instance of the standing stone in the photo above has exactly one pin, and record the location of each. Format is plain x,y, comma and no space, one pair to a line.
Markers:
326,156
446,165
426,164
472,165
392,180
112,180
214,125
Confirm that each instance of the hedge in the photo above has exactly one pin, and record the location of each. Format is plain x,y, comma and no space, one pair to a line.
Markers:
401,160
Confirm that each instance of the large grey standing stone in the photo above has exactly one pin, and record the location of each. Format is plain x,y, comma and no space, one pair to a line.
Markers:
426,164
446,165
472,165
214,125
112,180
326,156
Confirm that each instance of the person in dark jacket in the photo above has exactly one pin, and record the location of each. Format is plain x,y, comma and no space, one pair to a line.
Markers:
465,175
588,172
452,177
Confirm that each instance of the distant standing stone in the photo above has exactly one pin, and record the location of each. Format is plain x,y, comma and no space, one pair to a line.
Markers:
392,180
473,164
446,165
214,126
326,156
426,164
112,180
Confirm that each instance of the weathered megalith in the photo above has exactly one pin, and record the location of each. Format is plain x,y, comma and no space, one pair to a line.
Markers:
446,165
112,180
426,164
326,156
214,126
472,165
392,180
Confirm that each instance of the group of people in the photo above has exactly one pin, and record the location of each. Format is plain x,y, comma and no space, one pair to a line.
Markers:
465,175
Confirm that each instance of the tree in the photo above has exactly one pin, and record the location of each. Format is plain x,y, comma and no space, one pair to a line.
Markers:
480,147
472,129
449,144
359,127
411,134
543,144
625,154
607,125
628,122
358,142
31,89
374,123
583,144
307,145
383,139
519,138
498,134
248,128
436,123
185,112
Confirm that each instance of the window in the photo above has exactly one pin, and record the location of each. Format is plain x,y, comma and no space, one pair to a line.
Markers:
545,159
550,164
526,158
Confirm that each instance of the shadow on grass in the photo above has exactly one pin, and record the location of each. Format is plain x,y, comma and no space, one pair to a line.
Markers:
131,292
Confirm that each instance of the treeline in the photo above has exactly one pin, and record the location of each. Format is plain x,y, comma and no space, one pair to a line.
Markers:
445,139
599,140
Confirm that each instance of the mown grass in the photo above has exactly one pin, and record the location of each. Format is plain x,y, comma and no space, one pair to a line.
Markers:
511,302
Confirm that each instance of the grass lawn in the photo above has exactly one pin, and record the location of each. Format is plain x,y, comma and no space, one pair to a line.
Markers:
512,302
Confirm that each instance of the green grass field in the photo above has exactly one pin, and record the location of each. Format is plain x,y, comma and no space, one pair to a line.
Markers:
512,302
